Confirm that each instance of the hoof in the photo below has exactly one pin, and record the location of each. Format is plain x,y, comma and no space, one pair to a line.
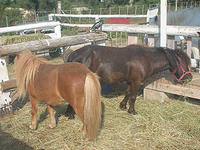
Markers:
83,132
70,116
122,106
52,126
130,111
33,127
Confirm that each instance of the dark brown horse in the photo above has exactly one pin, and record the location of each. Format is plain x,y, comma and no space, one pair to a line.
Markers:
132,64
71,83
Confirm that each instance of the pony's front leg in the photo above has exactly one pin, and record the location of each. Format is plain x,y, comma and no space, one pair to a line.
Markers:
125,100
34,103
52,123
133,91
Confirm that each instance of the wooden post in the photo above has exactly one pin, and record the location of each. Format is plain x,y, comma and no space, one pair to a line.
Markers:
189,46
170,42
151,40
163,23
59,7
4,96
195,48
176,5
57,30
132,38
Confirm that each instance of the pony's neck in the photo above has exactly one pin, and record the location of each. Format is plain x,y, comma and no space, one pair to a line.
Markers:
160,64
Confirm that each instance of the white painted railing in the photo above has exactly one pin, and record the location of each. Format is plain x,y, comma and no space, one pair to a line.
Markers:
95,16
34,26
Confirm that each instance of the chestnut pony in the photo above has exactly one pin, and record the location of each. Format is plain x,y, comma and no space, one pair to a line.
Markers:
71,83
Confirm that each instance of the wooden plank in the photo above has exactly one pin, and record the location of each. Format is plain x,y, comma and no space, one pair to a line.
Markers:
187,91
95,16
52,43
153,29
41,25
7,85
192,89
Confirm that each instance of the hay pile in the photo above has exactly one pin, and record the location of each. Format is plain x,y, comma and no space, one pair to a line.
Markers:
170,125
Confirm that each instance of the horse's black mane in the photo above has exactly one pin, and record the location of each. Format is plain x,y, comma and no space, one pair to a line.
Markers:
175,53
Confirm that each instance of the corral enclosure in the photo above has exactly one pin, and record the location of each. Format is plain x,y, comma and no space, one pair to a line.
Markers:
172,124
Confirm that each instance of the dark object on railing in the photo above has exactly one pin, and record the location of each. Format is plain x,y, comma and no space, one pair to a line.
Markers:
97,27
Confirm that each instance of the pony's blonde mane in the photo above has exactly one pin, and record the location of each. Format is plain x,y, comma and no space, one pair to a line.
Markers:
26,67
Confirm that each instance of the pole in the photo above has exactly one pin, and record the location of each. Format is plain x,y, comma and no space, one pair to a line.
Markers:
176,5
163,23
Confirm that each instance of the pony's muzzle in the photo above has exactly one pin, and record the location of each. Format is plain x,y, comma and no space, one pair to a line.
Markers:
187,78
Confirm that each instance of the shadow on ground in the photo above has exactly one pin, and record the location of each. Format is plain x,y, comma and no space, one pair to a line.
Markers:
8,142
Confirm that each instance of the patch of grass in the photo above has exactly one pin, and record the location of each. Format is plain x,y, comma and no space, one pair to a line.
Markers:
6,40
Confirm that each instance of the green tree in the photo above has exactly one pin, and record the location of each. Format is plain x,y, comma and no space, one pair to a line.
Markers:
26,4
47,4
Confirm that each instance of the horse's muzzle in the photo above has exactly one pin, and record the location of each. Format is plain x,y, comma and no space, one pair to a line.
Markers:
187,78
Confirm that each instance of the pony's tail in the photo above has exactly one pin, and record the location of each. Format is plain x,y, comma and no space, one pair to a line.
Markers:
92,107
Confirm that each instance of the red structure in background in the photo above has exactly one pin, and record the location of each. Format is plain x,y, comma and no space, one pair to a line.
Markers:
118,20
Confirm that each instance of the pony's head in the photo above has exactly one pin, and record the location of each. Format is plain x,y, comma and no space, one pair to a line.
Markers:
26,66
180,65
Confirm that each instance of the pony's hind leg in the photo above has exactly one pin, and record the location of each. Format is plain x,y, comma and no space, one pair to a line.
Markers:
52,123
133,90
125,100
70,112
34,103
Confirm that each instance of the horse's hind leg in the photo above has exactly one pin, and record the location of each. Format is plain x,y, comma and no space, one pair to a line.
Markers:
133,90
52,123
34,103
125,100
70,112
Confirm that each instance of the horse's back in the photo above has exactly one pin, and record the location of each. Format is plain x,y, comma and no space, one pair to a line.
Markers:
60,82
114,64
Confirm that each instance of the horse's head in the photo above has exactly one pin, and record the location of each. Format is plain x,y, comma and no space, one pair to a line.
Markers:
180,65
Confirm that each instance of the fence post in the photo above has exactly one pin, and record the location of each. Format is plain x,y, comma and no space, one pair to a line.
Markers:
4,96
132,38
57,30
195,47
189,46
151,40
170,42
163,23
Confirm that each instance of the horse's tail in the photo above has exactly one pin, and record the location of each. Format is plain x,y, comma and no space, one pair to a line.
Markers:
92,108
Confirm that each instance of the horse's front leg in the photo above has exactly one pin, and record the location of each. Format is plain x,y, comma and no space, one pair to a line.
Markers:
34,103
52,123
133,94
125,100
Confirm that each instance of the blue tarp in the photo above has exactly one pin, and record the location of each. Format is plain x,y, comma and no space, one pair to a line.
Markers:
183,17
